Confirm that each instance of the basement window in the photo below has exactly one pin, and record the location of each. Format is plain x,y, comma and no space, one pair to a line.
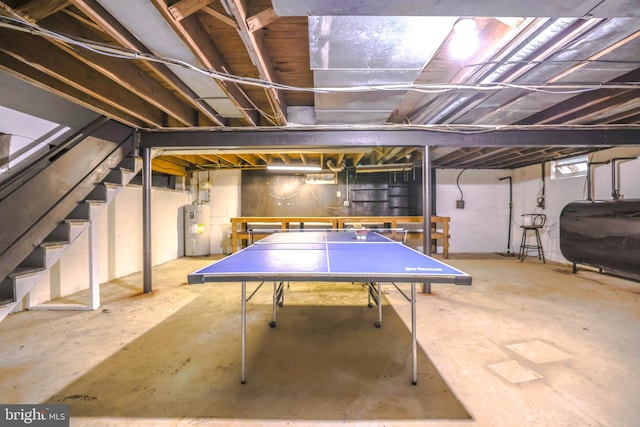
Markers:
571,167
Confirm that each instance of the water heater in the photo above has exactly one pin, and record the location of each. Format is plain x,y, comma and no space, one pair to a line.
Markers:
196,230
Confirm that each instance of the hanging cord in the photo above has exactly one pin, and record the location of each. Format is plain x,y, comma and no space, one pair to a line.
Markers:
458,184
540,200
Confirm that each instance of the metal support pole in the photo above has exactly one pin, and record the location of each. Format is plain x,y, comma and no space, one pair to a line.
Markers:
426,207
146,220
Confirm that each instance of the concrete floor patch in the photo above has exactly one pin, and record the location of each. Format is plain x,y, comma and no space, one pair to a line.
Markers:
514,372
538,352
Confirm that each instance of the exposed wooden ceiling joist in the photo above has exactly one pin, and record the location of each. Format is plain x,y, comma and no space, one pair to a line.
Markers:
202,114
49,83
254,43
185,8
124,73
207,53
547,70
69,70
36,10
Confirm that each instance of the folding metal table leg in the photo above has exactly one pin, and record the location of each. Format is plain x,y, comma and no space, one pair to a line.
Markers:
243,373
379,324
414,344
278,301
275,305
375,294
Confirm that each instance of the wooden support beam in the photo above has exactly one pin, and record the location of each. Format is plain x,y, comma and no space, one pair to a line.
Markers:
214,159
250,159
167,167
46,82
112,27
203,47
221,17
231,159
124,73
185,8
36,10
259,20
196,38
255,45
357,157
74,73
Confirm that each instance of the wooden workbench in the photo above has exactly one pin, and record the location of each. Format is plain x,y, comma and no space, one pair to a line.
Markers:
245,228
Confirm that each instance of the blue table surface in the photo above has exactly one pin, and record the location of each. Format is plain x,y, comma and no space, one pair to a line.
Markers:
329,253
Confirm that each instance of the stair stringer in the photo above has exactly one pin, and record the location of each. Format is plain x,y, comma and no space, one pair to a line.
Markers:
85,215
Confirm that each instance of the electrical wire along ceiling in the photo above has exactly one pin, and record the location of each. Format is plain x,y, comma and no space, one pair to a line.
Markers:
466,68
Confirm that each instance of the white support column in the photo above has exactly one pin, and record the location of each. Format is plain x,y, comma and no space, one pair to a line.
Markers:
426,207
94,276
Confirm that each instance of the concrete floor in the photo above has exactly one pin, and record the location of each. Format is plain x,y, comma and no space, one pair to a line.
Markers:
526,345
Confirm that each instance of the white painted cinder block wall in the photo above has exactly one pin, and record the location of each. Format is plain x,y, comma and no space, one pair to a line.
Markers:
482,226
560,192
223,198
119,243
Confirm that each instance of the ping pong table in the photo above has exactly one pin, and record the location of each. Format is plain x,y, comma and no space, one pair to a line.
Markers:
329,256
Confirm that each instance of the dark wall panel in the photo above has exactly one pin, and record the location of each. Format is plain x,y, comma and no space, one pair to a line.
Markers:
265,193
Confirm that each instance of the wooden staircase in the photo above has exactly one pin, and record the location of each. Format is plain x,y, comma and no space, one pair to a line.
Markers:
23,279
35,250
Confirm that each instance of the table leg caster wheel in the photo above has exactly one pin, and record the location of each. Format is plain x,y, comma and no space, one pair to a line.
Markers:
369,305
272,324
280,304
243,382
378,325
414,382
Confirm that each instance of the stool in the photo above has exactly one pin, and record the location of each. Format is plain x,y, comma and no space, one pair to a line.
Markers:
532,222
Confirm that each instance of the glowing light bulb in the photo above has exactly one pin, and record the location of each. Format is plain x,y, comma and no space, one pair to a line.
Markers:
465,38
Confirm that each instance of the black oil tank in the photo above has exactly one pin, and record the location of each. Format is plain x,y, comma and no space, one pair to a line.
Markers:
602,234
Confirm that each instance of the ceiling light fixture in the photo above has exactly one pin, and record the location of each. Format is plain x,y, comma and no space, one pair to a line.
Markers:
464,25
465,38
294,168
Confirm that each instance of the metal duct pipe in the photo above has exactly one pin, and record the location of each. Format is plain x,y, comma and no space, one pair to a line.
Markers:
589,189
510,210
333,168
615,191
